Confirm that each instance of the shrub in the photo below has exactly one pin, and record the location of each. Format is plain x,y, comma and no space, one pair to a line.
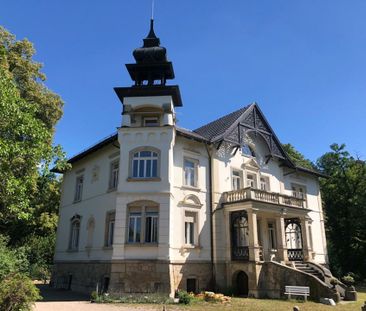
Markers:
348,280
184,297
17,293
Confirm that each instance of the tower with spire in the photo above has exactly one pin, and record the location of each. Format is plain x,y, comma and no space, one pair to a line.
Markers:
149,74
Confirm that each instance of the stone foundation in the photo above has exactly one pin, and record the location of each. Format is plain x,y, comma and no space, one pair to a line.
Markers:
81,277
140,276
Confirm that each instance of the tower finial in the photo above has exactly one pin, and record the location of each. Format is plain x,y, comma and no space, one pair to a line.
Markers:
152,9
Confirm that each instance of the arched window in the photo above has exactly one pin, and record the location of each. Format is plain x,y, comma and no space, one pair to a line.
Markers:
145,163
247,150
293,236
74,233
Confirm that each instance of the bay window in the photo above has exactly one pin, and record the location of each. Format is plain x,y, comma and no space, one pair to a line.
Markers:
145,164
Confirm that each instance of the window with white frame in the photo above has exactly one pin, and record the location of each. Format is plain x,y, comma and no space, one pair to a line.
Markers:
298,191
151,121
272,241
109,226
151,227
74,233
190,229
134,227
190,172
145,164
264,183
251,180
143,224
79,188
236,177
113,176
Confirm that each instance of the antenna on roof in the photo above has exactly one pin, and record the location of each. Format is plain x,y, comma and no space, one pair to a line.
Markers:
152,9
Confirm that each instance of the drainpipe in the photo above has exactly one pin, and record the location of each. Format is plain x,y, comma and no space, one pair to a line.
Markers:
210,200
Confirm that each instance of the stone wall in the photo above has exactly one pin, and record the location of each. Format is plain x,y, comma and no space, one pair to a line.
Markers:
144,276
273,278
80,276
202,272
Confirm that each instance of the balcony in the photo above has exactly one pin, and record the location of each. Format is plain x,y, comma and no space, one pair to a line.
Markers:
251,194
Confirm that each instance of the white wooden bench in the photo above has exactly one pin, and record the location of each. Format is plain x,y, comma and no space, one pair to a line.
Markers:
297,291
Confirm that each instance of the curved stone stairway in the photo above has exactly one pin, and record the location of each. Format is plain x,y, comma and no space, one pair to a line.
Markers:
304,267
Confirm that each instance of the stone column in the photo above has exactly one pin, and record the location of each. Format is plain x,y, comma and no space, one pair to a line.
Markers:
305,238
281,238
253,236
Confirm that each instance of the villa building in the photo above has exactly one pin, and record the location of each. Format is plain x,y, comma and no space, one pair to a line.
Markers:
157,208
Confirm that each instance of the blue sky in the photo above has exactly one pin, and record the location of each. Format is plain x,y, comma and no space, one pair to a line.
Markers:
303,61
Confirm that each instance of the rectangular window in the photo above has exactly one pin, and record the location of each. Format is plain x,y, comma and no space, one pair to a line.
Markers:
151,121
114,172
190,172
109,235
190,228
236,180
264,183
272,243
79,188
251,180
134,228
151,228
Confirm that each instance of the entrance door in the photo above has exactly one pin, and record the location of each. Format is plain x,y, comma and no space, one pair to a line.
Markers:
242,288
294,240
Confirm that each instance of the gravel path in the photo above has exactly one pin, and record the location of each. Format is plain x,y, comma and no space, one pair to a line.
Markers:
62,300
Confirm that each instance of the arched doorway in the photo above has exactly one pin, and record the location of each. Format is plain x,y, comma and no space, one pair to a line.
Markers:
241,283
293,239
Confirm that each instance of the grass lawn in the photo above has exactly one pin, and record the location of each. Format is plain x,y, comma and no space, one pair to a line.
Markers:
246,304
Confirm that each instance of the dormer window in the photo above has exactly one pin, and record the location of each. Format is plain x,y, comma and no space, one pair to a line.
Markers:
248,151
151,121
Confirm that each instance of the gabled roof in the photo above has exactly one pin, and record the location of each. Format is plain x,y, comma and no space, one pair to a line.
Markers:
219,126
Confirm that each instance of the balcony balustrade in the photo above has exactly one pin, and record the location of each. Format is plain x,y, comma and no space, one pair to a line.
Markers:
247,194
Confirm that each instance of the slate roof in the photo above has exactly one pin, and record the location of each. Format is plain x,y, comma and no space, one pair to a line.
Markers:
218,127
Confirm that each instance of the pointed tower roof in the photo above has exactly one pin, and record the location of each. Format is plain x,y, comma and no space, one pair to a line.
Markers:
151,71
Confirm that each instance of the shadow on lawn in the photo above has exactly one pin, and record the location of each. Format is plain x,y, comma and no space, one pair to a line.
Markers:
52,294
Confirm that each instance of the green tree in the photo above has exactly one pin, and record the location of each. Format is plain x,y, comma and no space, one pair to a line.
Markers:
344,196
29,112
297,157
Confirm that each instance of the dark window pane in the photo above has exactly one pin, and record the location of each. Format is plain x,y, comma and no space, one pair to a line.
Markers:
148,168
154,168
135,168
138,229
142,168
131,230
145,153
148,230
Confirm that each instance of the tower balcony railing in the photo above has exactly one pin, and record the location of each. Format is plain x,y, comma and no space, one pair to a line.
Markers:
249,193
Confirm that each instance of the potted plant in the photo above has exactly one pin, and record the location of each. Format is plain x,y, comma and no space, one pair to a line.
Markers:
350,294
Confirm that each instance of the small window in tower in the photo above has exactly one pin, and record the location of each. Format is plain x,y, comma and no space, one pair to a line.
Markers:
151,121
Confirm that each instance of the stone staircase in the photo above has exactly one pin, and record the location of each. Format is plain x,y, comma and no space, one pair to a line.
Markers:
304,267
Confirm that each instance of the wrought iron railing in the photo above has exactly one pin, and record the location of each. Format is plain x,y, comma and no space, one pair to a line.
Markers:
295,254
262,196
240,253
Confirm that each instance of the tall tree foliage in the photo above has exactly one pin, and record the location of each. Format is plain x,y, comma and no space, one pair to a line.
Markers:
29,112
344,196
297,157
